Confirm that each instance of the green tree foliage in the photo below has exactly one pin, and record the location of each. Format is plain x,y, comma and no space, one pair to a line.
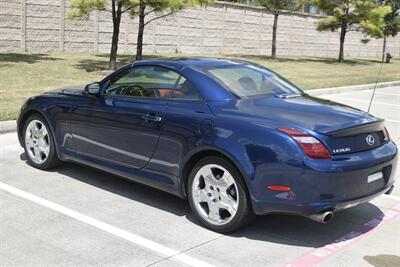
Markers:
83,8
141,8
391,26
392,19
277,8
247,2
156,9
352,15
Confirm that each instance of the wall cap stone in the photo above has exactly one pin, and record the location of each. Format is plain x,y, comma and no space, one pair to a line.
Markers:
259,8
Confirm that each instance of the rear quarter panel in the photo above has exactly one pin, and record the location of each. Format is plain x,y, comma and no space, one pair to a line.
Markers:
264,154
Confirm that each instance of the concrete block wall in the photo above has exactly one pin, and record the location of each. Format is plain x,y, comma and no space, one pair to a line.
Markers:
11,22
42,26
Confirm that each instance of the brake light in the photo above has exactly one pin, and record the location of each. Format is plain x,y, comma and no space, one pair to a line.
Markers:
386,135
311,146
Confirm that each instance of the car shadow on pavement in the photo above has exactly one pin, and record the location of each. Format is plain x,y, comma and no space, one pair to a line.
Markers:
125,188
122,187
274,228
300,231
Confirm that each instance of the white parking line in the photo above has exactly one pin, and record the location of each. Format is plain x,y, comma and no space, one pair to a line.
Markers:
135,239
339,98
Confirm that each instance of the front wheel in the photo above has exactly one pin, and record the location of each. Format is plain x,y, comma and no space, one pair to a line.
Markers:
39,143
218,196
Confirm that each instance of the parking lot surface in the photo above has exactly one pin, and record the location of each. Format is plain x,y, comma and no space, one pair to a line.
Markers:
75,215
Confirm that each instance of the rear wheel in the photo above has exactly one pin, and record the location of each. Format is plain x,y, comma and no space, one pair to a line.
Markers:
39,143
218,196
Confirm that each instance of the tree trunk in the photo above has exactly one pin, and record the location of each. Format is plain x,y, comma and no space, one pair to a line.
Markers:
274,30
116,19
343,32
384,49
139,43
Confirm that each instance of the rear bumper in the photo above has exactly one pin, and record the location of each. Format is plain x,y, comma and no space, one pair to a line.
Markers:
307,209
334,185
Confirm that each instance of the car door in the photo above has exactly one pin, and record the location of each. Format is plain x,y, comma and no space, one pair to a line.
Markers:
122,125
187,124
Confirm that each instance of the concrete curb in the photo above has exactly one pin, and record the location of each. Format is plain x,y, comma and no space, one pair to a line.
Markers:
11,126
337,90
8,126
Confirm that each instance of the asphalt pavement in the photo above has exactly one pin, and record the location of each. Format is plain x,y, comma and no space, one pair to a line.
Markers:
75,215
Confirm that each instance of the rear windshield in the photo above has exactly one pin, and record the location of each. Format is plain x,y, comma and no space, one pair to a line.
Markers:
249,80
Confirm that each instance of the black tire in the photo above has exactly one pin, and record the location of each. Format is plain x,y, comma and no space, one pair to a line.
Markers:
244,213
52,159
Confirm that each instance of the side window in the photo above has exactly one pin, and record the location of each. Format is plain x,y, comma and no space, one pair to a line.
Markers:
240,79
152,81
185,90
146,81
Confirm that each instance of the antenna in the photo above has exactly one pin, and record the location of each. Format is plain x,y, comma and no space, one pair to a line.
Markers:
376,85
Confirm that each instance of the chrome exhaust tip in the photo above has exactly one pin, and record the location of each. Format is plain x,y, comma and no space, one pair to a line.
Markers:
325,217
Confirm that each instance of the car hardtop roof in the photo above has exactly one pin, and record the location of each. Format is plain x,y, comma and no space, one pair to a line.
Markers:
192,62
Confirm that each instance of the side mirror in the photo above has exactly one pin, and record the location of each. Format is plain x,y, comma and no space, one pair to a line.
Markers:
92,89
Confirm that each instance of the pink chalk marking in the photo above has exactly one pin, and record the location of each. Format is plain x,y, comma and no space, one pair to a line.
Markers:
317,255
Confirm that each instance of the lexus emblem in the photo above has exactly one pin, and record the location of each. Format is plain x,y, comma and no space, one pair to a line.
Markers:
370,140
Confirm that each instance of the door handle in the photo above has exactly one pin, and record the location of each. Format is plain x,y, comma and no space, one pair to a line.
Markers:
151,117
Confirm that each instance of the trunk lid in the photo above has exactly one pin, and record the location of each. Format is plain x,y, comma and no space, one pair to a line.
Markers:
356,139
343,129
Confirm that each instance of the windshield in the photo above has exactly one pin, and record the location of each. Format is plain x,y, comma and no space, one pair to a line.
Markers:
248,80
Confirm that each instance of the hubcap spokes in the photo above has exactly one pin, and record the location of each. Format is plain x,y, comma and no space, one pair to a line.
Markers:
37,141
215,194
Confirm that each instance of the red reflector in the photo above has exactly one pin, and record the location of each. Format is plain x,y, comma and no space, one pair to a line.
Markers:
311,146
280,188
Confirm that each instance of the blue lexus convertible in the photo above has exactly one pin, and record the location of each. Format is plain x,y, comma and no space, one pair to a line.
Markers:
233,137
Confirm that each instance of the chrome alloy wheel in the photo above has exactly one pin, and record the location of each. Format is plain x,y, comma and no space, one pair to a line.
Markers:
37,141
215,194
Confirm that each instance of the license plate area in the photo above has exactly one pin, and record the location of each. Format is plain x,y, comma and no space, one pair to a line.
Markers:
375,181
375,177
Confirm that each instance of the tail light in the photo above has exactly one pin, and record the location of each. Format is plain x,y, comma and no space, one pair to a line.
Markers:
311,146
386,135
